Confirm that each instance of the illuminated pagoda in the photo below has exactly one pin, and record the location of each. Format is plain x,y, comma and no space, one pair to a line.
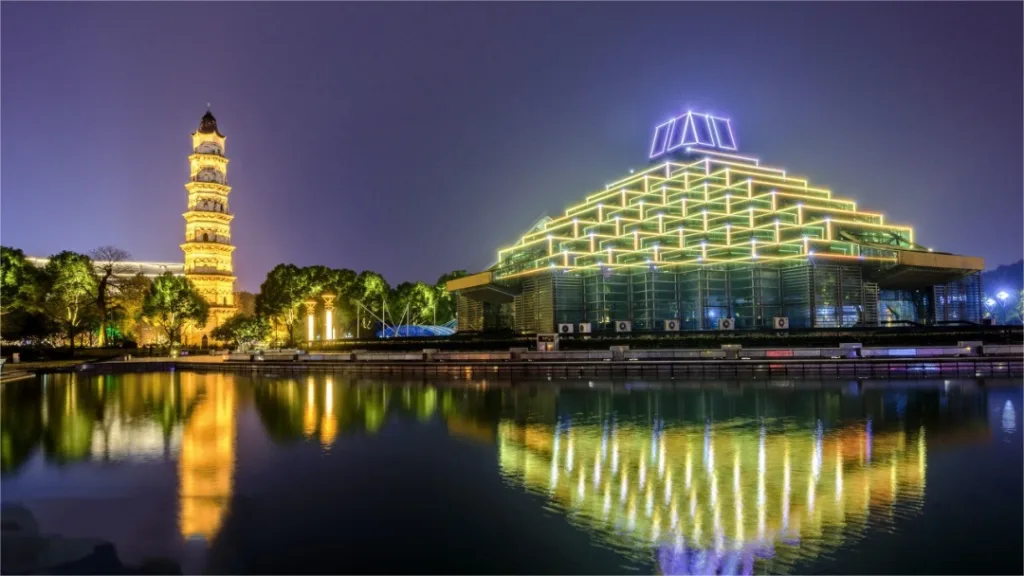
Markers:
708,238
207,244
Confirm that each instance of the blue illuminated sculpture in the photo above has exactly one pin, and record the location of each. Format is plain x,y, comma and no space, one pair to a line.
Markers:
692,129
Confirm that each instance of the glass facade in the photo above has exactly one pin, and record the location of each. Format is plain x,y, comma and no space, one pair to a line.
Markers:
705,234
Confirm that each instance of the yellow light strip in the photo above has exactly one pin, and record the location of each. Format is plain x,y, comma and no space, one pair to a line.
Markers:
667,214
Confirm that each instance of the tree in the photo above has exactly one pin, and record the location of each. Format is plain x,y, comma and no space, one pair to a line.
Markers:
127,303
400,300
344,288
20,282
417,298
27,325
70,292
1019,308
110,264
242,330
445,299
280,296
318,279
425,301
246,303
172,302
369,294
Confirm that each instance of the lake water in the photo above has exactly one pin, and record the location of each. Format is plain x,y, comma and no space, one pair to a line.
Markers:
228,473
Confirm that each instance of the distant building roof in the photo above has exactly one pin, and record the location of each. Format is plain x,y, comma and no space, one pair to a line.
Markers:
149,269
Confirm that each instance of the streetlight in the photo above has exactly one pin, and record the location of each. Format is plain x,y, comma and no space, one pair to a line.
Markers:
990,305
1002,295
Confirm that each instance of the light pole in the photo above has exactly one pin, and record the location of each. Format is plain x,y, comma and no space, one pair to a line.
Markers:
990,307
310,326
328,315
1002,296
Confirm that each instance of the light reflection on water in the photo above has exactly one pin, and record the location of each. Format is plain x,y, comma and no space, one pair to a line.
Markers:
722,479
766,489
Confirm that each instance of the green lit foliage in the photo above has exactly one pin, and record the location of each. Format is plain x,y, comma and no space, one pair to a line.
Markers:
280,296
370,293
171,303
445,299
360,298
243,331
343,283
414,302
319,278
126,305
70,293
18,281
344,287
22,287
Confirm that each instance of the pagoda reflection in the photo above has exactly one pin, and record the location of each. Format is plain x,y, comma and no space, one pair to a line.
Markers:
206,464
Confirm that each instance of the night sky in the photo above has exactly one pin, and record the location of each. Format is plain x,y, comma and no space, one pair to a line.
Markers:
413,139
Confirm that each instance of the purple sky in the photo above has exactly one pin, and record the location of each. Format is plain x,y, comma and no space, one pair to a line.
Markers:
413,139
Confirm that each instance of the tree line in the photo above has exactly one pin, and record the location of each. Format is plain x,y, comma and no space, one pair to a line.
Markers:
363,300
95,299
98,299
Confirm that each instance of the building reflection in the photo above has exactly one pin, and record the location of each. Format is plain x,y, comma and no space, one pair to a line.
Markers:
73,417
206,465
320,409
727,479
726,496
141,416
167,416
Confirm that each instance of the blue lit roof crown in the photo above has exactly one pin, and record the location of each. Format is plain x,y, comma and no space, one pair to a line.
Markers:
692,129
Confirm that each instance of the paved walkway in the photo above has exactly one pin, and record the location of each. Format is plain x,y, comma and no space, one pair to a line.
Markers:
205,359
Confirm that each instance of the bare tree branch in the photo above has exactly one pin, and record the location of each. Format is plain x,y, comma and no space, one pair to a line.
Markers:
111,263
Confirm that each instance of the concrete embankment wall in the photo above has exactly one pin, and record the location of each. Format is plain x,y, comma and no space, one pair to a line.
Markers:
969,361
972,349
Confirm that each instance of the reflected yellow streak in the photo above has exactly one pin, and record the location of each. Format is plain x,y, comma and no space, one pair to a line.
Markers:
206,465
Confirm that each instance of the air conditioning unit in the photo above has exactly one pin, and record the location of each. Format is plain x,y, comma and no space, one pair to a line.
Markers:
565,328
726,324
780,323
585,328
623,326
671,325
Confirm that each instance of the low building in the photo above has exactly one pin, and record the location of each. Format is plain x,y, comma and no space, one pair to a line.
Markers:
128,269
708,238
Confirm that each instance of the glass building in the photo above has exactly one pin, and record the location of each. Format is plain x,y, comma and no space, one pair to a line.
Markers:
706,238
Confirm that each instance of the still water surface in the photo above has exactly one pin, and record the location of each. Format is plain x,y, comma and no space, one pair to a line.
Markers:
322,474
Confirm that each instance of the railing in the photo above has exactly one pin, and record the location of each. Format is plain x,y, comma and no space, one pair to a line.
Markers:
845,369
